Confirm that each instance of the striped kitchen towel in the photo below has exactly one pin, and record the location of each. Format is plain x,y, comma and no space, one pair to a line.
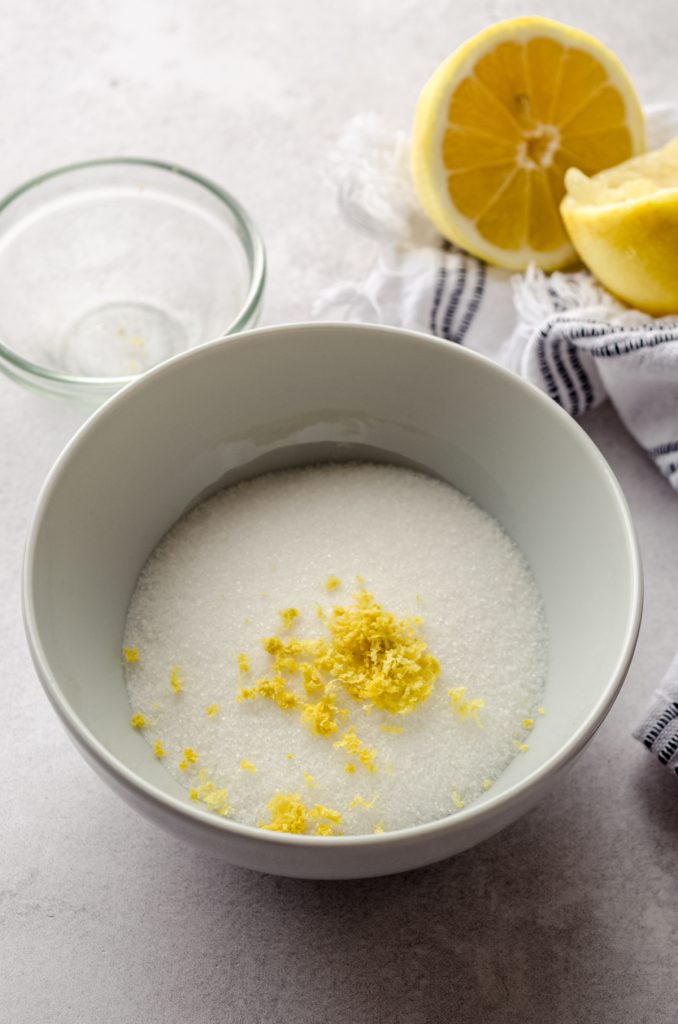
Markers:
562,332
659,728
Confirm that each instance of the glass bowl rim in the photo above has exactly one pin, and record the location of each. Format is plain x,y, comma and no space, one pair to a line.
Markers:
253,244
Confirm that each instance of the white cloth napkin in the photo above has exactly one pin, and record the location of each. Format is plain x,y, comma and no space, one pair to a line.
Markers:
562,332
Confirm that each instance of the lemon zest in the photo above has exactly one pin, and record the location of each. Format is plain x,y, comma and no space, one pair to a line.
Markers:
320,718
465,708
360,801
288,814
288,615
247,766
353,745
137,721
190,757
332,582
158,749
130,654
214,799
175,679
243,663
378,658
271,689
211,710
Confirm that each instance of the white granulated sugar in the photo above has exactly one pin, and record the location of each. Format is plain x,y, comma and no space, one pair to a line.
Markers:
213,589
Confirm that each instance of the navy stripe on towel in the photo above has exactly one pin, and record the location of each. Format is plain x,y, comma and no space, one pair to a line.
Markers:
441,278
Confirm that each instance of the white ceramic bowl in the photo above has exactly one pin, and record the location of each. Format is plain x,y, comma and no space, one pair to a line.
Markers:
291,395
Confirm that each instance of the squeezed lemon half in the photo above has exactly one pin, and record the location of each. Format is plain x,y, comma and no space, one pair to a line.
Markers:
624,225
499,123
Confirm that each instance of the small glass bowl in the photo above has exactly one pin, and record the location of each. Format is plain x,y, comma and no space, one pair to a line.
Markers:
112,266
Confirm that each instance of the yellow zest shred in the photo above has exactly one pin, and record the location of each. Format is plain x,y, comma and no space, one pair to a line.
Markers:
319,811
309,780
457,800
290,757
288,615
175,680
528,723
466,708
353,745
349,767
487,783
243,663
378,658
137,721
288,814
360,801
158,749
378,828
374,657
271,689
320,718
247,766
523,747
190,757
310,677
211,710
541,711
332,582
214,799
130,654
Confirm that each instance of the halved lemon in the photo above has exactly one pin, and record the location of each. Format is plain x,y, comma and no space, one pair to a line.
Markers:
624,225
500,122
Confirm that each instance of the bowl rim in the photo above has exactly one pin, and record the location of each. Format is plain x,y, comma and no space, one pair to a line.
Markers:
44,377
128,780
